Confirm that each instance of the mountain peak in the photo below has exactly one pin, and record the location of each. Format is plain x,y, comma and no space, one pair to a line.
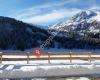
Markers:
83,15
84,21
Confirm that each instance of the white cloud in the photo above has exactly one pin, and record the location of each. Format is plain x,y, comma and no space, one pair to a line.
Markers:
24,13
46,17
38,9
55,4
94,7
37,15
52,16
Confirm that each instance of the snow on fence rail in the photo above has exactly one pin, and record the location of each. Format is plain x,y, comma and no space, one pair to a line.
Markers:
50,56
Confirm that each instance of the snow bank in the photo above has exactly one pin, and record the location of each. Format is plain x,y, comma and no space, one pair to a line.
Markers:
49,71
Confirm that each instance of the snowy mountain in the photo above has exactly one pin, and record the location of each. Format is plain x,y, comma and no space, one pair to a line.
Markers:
81,31
84,21
17,35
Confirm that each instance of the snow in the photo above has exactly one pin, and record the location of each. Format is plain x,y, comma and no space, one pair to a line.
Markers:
48,70
9,67
95,18
83,78
93,30
88,12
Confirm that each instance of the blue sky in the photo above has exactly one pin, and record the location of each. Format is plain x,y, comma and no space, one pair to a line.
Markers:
45,12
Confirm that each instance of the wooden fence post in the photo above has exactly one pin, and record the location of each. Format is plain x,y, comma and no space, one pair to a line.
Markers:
27,58
89,54
0,58
70,57
49,58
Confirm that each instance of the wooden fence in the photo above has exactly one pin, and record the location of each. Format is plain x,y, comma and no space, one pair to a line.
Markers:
50,56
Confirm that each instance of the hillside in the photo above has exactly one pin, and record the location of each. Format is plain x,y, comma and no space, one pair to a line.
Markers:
82,31
16,34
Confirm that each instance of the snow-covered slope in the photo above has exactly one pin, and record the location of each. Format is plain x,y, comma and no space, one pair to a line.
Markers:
15,72
83,21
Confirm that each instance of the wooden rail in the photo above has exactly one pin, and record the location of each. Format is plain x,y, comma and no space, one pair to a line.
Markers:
50,56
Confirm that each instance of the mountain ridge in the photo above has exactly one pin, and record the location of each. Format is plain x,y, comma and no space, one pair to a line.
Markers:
80,21
17,35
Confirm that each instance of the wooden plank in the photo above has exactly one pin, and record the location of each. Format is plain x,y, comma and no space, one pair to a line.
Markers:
51,53
95,58
51,58
20,54
72,53
25,59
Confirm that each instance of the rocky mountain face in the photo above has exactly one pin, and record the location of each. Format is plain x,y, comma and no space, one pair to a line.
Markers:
83,30
85,21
